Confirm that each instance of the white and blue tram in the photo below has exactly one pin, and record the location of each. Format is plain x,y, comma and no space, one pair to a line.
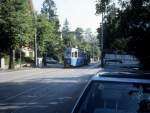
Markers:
74,57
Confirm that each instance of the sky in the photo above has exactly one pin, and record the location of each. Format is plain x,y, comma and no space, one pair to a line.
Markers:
79,13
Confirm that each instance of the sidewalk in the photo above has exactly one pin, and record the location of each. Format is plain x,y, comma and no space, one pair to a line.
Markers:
18,69
29,68
96,65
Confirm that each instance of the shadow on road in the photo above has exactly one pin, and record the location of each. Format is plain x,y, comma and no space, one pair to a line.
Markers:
42,95
61,66
53,66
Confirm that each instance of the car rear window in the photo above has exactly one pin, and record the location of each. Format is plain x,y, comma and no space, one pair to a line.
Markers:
111,97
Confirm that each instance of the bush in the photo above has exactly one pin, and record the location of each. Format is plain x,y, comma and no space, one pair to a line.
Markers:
28,60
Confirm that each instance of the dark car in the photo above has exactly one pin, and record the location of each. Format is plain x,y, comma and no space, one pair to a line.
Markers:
110,94
50,60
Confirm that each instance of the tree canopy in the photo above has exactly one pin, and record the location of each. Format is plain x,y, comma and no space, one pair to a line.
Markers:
48,34
126,27
15,23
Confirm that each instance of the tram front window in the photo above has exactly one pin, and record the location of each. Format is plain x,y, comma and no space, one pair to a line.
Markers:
76,54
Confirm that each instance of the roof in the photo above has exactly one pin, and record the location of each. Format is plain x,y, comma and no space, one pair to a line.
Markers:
121,78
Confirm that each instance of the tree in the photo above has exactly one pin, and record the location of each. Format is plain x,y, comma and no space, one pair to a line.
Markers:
45,34
49,9
88,35
15,21
49,39
126,28
66,34
79,33
101,6
65,29
90,43
138,30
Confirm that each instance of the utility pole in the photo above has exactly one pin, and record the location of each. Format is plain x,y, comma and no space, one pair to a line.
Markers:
20,50
102,42
35,35
35,41
93,51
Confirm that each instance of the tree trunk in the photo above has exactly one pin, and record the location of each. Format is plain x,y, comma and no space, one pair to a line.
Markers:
12,59
0,62
0,59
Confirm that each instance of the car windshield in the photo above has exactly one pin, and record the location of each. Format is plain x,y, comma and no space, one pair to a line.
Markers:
104,97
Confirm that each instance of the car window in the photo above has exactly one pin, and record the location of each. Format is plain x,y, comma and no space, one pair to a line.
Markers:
116,98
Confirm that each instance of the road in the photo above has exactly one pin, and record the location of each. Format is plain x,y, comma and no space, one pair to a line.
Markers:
46,90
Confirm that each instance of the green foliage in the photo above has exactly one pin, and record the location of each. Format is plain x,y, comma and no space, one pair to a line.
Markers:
65,29
101,6
15,20
67,35
138,30
15,23
45,33
126,28
28,60
48,35
79,33
77,39
49,9
49,41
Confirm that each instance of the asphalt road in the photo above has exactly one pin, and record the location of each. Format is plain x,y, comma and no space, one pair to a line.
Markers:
46,90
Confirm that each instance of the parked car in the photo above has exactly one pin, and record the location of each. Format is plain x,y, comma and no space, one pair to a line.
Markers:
105,94
50,60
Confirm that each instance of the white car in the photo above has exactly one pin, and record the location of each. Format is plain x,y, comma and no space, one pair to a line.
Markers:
115,94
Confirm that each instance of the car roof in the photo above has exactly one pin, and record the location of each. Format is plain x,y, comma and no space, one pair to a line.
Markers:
121,77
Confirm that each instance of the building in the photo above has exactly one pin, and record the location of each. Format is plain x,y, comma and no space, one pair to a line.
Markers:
28,52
